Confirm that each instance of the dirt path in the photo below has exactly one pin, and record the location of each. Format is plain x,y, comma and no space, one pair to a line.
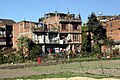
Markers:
79,78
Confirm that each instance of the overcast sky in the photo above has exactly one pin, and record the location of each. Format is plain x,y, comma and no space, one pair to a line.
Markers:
33,9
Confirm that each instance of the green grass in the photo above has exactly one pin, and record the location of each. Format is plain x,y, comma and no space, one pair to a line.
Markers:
90,59
74,69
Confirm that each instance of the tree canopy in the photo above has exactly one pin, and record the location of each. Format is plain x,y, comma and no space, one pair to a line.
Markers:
96,32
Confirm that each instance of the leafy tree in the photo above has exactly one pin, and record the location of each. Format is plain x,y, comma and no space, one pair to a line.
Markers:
26,44
85,41
23,45
24,41
97,31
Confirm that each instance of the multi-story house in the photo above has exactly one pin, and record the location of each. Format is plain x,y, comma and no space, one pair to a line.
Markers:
6,32
112,26
54,33
63,31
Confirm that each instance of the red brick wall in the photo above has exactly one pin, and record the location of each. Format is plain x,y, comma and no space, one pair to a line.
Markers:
22,29
113,29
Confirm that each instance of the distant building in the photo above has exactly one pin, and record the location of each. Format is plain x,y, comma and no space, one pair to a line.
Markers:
6,32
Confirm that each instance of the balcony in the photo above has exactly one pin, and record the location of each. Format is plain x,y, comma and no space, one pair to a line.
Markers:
38,29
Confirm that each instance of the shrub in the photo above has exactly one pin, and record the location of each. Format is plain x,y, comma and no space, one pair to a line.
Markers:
1,57
11,58
5,59
19,57
115,52
34,52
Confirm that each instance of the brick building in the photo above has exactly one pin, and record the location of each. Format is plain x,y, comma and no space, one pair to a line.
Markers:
55,32
112,26
67,30
22,28
113,29
6,32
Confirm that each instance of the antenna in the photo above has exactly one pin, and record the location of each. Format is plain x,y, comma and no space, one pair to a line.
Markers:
24,19
68,10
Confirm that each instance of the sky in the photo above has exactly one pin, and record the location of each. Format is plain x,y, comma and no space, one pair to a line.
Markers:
32,10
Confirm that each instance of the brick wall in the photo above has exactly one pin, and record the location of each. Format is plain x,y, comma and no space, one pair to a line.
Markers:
22,28
113,29
54,21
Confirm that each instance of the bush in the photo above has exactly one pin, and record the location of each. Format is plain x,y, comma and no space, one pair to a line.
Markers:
116,52
5,59
84,54
9,50
11,58
1,57
34,52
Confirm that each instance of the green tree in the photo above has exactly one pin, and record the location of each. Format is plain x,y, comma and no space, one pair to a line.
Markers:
97,31
85,44
23,44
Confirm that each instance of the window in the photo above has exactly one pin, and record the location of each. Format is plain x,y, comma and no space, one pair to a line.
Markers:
75,27
75,37
64,26
26,25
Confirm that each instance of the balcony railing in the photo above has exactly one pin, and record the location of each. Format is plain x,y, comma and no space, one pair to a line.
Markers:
41,29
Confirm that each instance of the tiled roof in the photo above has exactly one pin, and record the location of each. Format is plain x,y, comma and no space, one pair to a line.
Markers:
7,21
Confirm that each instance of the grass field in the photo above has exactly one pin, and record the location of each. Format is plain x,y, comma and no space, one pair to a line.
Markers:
96,69
106,67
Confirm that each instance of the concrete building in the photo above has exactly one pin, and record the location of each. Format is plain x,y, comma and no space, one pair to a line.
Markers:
6,32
